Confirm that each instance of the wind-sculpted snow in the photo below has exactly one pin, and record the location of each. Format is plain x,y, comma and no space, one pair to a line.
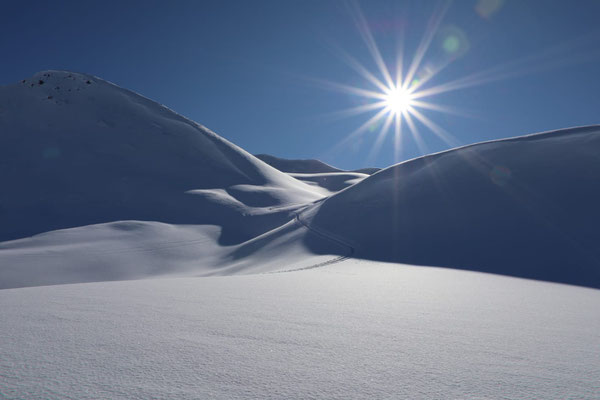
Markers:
76,150
526,207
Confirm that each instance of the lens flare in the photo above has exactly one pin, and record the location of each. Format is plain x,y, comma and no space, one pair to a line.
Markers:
395,96
398,98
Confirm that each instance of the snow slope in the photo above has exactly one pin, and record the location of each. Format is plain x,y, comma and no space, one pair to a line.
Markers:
76,150
526,207
357,330
323,177
329,183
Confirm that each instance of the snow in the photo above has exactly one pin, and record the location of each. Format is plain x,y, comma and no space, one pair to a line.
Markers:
140,249
526,207
115,186
81,160
324,178
76,150
329,183
357,329
196,270
307,166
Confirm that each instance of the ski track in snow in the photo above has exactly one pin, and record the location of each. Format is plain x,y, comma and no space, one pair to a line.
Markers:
325,236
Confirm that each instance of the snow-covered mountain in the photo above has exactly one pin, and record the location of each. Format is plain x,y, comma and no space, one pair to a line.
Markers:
114,186
526,207
77,150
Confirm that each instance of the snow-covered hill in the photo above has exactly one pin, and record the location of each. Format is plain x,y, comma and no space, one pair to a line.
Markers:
77,150
355,330
115,186
527,207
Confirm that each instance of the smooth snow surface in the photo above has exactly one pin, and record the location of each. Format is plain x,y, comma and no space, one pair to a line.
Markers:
356,330
527,206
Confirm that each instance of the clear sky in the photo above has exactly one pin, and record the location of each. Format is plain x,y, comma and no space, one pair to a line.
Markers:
261,73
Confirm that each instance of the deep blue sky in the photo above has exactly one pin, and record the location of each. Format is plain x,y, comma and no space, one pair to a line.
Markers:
244,68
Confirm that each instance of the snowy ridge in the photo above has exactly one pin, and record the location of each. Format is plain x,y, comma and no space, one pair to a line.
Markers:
524,206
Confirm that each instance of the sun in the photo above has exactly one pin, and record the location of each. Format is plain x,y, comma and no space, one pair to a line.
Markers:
398,100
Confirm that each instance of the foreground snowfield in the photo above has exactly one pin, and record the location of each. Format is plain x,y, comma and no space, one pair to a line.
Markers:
357,329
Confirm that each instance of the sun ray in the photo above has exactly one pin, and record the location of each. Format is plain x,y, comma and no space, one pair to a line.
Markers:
352,111
440,108
340,87
400,57
380,136
402,95
544,60
367,36
414,132
358,67
432,74
430,32
361,129
397,137
436,129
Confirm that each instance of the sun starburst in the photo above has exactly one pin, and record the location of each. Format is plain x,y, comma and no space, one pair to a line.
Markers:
396,96
399,98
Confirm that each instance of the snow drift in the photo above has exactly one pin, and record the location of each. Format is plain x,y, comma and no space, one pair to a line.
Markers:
525,207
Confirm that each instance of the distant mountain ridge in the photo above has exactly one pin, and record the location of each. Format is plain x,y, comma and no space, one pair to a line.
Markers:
307,166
